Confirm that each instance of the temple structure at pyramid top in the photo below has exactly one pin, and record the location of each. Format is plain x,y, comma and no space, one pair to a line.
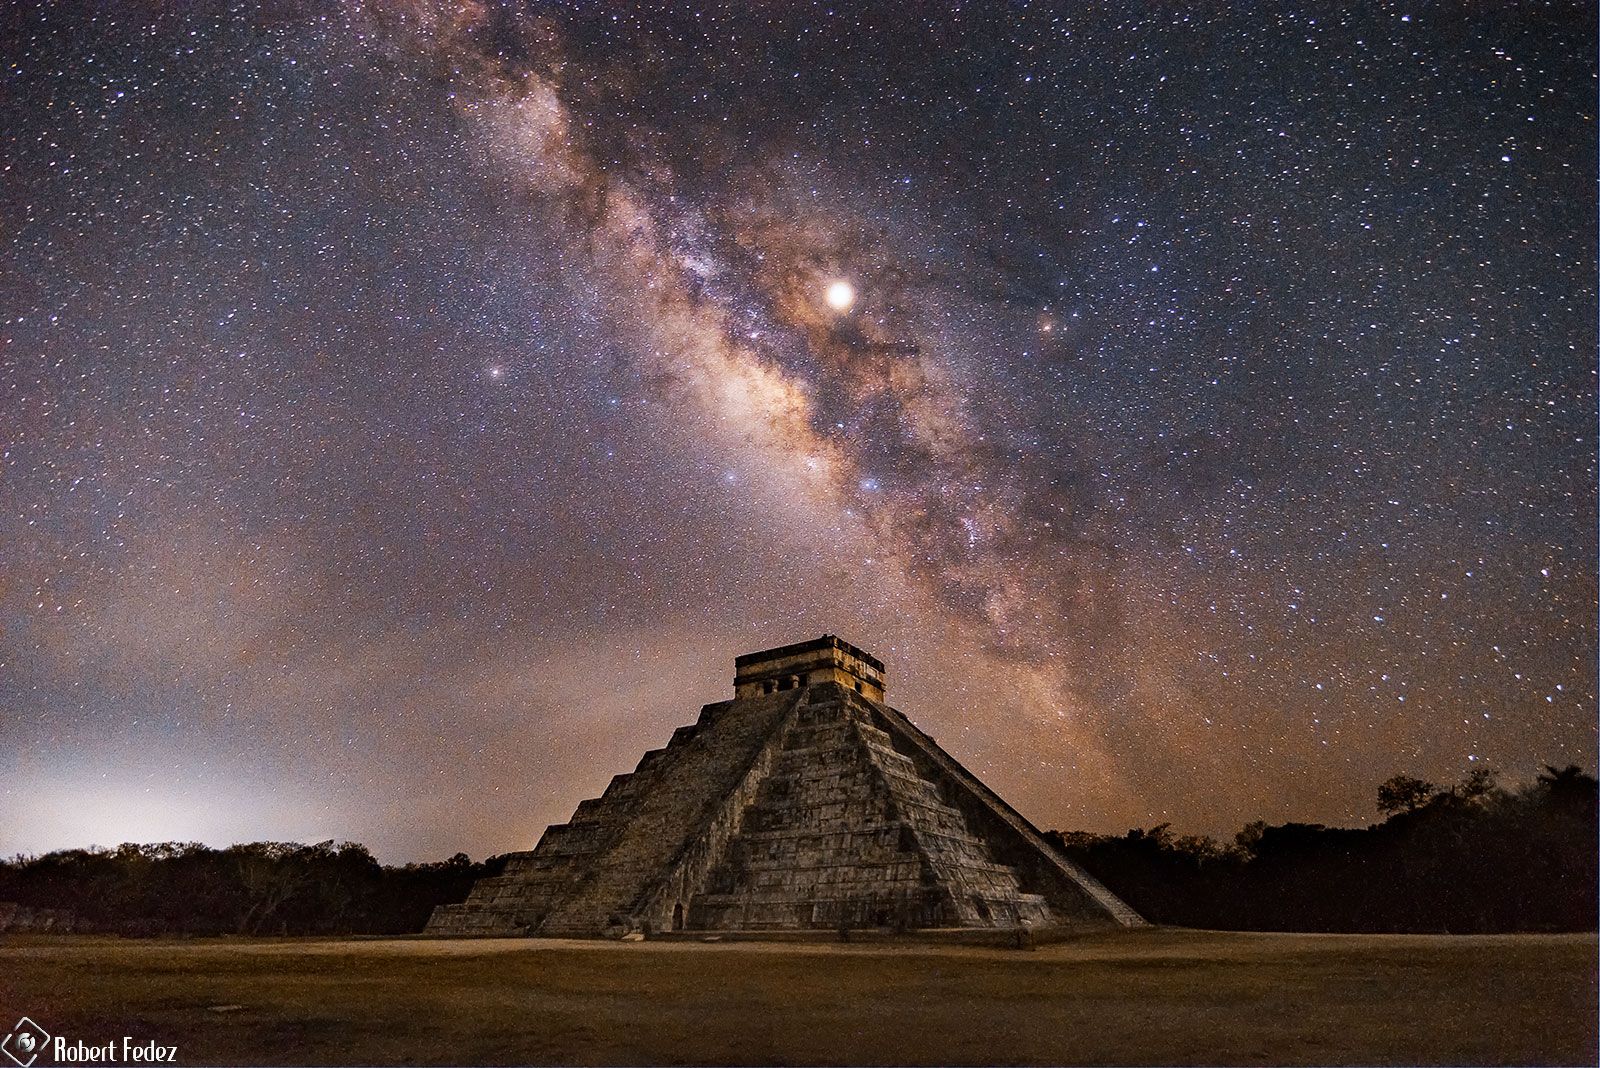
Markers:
804,802
825,659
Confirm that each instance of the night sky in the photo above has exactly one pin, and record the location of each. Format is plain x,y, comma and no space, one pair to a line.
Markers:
409,411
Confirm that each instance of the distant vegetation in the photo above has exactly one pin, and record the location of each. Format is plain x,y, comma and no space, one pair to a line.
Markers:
256,889
1471,858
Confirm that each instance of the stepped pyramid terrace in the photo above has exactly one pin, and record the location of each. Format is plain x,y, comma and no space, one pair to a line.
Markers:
805,802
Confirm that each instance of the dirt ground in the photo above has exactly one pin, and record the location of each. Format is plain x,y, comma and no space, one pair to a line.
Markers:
1144,997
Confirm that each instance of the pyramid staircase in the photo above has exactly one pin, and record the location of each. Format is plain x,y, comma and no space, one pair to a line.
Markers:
845,833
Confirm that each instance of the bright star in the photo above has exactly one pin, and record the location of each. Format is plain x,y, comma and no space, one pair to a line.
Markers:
840,295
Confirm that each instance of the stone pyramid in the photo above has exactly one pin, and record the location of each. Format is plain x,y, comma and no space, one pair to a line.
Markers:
805,802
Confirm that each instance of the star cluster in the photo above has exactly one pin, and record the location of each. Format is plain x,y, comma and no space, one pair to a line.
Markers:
410,410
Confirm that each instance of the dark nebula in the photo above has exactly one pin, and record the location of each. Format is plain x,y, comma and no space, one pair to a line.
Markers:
409,410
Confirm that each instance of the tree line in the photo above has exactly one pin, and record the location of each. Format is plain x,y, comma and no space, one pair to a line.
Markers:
256,889
1473,857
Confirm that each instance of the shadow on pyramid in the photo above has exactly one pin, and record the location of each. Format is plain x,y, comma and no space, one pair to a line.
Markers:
805,803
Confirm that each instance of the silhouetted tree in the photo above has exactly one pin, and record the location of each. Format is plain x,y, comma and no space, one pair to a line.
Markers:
1404,794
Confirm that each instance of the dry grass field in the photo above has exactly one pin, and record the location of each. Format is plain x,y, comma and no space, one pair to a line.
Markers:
1148,997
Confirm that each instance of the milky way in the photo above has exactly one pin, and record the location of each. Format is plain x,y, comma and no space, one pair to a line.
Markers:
410,410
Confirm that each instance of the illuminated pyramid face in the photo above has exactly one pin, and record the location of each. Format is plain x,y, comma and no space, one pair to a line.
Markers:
805,802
